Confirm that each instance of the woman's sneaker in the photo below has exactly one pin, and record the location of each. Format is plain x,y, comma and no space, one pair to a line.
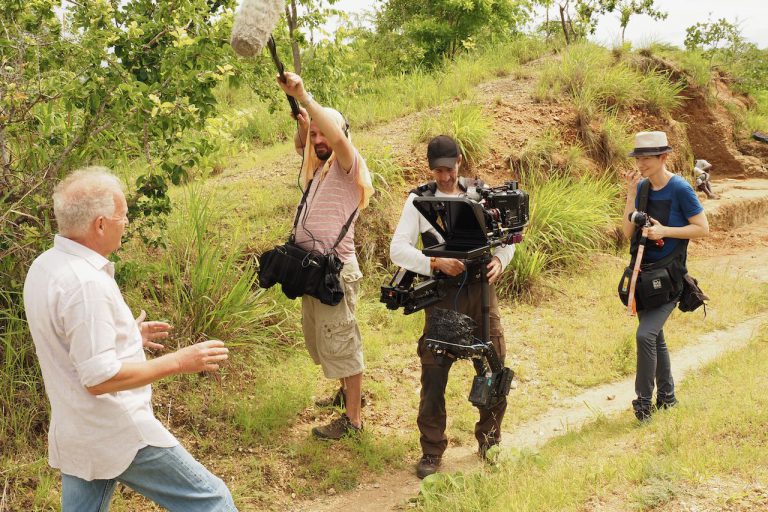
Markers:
665,403
642,411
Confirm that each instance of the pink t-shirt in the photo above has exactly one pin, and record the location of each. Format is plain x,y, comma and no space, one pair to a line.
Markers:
330,202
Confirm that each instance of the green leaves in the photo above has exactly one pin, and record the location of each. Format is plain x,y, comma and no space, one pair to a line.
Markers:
443,28
102,82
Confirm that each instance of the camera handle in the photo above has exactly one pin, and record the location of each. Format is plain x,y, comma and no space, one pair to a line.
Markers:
494,363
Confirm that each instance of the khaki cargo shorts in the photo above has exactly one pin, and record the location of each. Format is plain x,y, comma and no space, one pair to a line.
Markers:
331,333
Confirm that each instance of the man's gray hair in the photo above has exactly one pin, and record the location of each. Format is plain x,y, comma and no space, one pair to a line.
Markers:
84,195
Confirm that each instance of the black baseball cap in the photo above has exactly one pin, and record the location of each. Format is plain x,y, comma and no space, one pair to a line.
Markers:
442,151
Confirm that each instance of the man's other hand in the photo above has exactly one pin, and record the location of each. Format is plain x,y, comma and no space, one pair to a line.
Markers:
449,266
151,331
494,270
201,357
293,86
302,118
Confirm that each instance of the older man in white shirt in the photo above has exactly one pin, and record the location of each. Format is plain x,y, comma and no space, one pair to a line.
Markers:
463,294
97,378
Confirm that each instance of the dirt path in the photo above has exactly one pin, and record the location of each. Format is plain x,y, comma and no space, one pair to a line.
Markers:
742,251
392,491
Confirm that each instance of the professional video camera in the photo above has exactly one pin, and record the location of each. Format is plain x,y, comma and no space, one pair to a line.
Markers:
506,209
469,227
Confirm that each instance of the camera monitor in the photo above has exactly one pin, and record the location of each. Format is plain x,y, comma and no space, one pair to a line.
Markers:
461,223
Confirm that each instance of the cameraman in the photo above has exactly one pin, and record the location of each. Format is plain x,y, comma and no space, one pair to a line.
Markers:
339,187
463,293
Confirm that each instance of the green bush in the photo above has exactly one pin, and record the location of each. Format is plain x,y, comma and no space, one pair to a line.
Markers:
696,67
590,73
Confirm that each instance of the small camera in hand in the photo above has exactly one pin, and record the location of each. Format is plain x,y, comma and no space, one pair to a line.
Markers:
640,219
643,220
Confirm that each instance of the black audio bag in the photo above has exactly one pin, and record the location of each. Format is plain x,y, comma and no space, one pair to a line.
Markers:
658,283
302,272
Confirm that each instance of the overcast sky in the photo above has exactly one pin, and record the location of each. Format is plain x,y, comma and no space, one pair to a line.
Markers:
751,16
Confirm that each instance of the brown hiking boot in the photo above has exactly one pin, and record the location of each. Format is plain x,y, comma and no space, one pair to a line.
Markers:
428,465
337,429
338,400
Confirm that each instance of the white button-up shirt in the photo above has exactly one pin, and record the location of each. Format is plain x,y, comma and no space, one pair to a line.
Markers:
83,332
403,251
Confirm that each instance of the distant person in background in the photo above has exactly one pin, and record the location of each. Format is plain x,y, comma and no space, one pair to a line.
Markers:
339,187
97,378
676,215
700,170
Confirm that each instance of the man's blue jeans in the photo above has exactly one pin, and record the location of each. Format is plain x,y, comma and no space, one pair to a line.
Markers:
170,477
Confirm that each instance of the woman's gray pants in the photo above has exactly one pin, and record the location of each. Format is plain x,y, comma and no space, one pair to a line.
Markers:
653,356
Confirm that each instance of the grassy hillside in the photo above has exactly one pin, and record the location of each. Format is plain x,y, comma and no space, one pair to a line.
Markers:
524,110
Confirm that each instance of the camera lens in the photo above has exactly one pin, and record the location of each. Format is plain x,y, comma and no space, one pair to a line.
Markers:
638,218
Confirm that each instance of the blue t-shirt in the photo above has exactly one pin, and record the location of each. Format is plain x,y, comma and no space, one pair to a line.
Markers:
672,206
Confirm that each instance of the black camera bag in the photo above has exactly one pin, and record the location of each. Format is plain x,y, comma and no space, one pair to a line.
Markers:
302,272
658,283
692,297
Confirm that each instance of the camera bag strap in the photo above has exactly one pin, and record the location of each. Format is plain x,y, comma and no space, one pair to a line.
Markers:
642,205
303,204
645,190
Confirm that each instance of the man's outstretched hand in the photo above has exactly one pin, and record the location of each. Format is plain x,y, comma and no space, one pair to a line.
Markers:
201,357
151,331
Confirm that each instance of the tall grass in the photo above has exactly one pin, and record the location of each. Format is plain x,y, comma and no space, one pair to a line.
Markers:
590,72
468,127
372,232
569,218
211,288
23,408
389,97
548,151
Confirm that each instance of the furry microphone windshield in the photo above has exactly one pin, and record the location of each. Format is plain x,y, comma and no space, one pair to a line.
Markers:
254,22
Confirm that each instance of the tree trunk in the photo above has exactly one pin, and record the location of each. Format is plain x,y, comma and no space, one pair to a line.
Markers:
564,25
292,16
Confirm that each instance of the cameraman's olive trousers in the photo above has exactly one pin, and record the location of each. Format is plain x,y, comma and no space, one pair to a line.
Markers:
432,414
